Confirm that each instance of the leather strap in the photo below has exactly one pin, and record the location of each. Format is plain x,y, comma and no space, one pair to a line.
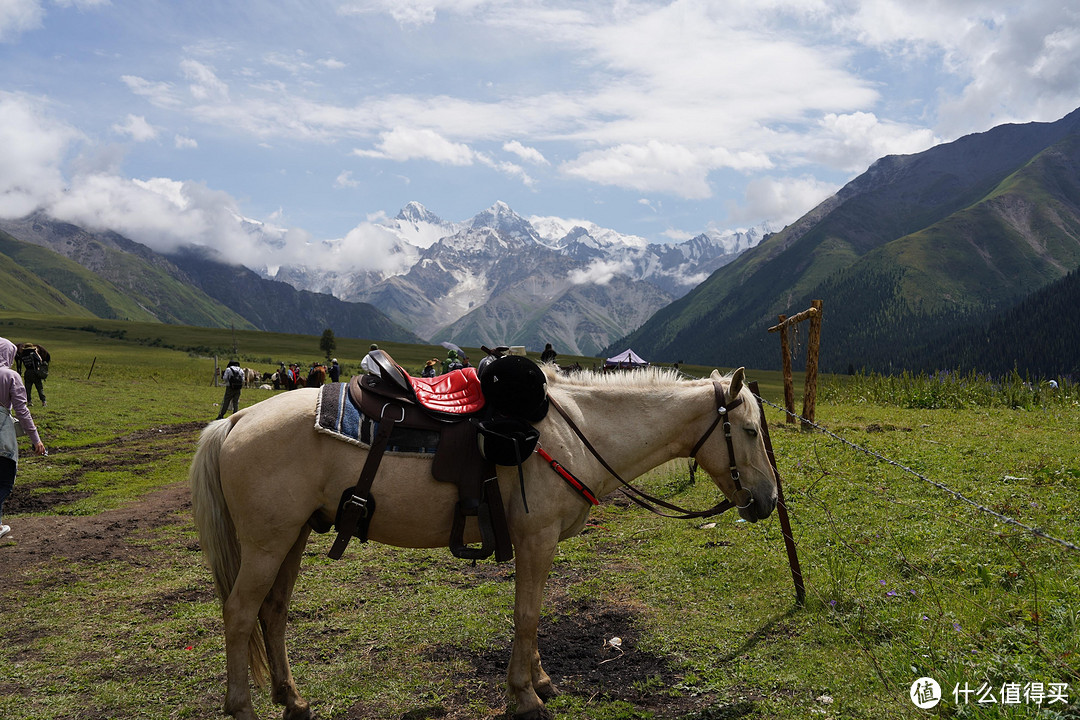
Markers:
641,498
360,505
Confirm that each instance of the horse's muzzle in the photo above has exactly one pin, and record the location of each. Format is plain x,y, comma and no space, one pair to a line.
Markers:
756,509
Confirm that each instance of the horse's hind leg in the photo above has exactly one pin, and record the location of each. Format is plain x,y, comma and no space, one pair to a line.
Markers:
274,615
240,613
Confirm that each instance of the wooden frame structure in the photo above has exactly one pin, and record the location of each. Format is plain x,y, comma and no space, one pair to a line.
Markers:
813,347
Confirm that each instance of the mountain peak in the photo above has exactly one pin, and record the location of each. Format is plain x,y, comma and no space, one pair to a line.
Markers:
501,218
414,212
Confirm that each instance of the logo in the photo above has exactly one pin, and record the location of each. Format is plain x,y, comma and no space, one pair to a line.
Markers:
925,693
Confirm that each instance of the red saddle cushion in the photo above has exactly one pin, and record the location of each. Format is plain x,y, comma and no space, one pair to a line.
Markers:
456,392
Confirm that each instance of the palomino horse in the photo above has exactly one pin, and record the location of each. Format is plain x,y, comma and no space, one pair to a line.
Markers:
260,474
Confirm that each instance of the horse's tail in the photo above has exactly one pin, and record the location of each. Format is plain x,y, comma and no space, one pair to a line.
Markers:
217,534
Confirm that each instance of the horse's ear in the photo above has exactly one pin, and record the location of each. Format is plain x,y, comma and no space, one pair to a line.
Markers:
737,379
715,375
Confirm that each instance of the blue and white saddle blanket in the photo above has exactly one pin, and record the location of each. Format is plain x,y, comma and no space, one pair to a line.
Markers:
337,415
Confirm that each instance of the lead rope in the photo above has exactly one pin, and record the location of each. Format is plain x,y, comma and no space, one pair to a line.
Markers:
643,499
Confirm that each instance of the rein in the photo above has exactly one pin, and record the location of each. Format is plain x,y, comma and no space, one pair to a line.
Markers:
648,501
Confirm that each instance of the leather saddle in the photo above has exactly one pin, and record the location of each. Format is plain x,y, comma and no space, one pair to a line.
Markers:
452,405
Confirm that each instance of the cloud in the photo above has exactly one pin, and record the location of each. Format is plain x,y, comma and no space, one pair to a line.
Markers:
852,142
345,180
660,167
528,154
204,82
601,272
410,12
19,16
35,146
410,144
137,128
782,199
185,143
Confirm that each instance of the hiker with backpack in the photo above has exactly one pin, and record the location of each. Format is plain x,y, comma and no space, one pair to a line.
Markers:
33,360
12,399
234,383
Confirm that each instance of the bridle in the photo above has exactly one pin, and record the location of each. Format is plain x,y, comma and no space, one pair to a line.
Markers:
742,497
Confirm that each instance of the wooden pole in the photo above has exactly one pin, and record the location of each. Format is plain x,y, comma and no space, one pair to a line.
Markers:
789,386
781,506
812,350
92,364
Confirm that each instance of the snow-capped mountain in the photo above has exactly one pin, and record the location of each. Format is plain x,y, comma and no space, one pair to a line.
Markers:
499,278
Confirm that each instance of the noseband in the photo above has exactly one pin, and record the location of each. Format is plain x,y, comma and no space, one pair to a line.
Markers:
742,497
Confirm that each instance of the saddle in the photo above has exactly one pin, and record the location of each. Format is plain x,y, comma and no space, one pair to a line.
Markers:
452,405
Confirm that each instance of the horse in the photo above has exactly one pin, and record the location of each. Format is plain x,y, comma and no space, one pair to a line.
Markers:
259,475
316,376
251,377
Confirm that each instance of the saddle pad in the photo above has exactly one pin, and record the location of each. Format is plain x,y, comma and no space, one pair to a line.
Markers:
338,416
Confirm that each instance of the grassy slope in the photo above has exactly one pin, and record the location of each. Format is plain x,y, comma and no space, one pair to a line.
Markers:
902,579
68,288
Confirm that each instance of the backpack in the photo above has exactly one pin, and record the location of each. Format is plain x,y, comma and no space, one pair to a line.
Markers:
235,377
35,365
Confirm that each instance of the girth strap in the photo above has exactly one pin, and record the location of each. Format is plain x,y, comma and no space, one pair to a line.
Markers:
361,505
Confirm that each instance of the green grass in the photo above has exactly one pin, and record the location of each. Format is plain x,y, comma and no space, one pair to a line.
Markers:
902,579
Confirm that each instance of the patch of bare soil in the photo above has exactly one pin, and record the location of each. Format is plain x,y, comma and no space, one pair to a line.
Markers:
39,538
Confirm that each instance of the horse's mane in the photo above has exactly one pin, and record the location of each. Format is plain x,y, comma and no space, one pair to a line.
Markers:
643,378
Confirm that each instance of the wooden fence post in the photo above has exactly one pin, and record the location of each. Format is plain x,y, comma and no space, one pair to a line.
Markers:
812,350
789,389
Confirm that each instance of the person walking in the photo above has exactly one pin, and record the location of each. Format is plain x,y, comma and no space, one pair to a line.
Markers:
35,362
335,371
234,383
12,398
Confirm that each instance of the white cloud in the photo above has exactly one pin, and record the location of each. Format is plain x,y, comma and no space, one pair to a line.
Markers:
19,16
410,12
35,146
852,142
781,200
345,180
601,272
332,64
410,144
137,128
660,167
185,143
528,154
205,84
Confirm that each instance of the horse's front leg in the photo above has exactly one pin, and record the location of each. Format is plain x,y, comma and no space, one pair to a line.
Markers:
525,678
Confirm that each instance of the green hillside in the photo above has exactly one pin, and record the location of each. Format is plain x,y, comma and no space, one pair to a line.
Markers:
35,279
903,257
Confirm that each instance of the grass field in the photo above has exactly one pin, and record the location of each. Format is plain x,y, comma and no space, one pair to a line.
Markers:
111,615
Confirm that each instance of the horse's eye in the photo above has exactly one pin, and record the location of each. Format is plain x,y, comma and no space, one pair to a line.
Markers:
752,432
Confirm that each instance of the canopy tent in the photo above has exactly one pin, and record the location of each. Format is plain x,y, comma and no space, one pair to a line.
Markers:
625,360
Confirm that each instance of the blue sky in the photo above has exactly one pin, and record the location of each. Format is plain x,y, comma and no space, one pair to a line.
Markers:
166,120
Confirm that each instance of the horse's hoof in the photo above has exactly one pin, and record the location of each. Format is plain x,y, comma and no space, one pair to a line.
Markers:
546,692
540,713
303,712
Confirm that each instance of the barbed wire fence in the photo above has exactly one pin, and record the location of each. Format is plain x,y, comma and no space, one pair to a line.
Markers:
938,592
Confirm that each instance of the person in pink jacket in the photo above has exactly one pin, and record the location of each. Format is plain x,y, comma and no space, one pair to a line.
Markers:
12,398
